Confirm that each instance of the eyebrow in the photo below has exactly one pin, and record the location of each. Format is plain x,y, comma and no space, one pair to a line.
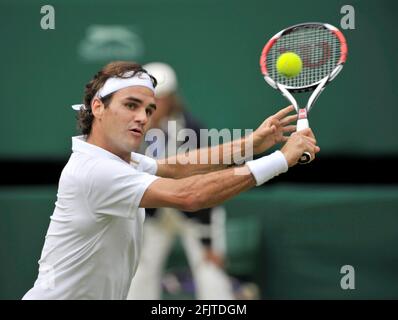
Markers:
151,105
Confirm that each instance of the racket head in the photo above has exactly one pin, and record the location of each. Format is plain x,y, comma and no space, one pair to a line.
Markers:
321,46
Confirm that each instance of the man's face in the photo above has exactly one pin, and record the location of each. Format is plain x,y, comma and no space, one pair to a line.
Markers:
125,120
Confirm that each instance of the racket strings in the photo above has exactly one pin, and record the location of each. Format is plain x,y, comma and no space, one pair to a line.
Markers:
318,48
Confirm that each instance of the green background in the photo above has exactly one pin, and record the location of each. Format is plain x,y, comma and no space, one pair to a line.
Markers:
215,48
291,240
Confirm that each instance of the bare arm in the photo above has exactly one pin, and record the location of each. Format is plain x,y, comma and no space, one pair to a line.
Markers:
202,160
205,160
198,191
211,189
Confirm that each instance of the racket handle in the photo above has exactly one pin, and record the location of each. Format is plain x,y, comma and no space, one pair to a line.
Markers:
303,124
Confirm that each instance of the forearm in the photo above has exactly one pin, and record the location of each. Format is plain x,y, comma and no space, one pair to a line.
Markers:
216,187
206,160
199,191
211,189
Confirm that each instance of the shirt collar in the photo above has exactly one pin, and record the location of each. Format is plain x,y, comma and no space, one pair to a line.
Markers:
79,144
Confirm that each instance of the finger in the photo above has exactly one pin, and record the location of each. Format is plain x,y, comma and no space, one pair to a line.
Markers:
305,135
288,119
312,149
273,128
284,138
311,152
269,130
290,128
283,112
310,140
307,132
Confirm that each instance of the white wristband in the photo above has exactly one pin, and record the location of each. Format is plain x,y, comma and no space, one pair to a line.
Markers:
267,167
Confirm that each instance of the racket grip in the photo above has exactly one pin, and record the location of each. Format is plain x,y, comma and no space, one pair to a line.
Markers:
303,124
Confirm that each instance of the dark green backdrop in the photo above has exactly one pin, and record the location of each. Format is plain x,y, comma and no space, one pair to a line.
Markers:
214,46
291,240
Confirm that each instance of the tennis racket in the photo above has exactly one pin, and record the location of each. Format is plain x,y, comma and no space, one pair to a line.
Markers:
323,51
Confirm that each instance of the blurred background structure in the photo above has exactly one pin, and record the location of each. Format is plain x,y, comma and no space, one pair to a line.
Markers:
290,237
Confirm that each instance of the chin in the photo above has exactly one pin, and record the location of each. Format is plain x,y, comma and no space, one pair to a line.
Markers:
135,145
131,143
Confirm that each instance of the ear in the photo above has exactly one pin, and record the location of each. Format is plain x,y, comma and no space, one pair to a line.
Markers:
97,107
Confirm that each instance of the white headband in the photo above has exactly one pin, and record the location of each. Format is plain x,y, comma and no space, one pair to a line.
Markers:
115,83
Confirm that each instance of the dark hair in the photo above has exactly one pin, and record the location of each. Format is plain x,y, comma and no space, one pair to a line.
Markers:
85,116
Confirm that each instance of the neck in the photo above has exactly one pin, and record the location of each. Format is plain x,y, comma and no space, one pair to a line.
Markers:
100,141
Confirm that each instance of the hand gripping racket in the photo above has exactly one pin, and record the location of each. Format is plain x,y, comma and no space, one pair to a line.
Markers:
323,51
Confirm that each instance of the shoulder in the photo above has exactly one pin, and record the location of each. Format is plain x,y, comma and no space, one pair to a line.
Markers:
84,169
109,173
143,163
109,170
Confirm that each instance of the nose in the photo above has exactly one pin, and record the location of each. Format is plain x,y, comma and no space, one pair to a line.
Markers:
141,116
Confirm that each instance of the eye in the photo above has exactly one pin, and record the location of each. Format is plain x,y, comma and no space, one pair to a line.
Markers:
149,111
131,105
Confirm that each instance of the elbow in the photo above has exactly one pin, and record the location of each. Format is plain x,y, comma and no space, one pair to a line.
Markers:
192,203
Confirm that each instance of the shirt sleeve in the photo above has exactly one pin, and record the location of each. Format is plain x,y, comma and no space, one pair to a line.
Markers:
144,163
116,189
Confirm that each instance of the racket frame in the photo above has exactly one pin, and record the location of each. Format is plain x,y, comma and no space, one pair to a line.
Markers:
317,87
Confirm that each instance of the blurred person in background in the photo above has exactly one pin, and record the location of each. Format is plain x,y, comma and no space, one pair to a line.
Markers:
163,225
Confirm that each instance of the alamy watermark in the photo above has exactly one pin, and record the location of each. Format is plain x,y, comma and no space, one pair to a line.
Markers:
47,21
236,147
348,20
348,280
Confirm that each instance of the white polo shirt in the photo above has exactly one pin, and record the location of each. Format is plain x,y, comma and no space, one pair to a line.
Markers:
93,243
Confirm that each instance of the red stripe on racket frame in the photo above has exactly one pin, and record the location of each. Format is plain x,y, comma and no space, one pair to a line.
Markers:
343,47
266,49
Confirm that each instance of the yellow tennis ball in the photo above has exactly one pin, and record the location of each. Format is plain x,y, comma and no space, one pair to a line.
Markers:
289,64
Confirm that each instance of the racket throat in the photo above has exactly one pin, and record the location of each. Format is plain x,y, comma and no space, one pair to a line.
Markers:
302,122
288,96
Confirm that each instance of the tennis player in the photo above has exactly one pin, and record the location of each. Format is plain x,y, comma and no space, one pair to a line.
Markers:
93,242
